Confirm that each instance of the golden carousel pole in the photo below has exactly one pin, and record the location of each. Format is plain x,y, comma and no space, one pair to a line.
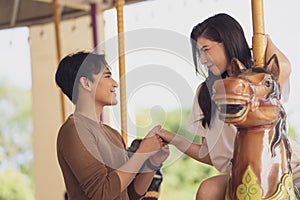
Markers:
259,41
56,18
122,84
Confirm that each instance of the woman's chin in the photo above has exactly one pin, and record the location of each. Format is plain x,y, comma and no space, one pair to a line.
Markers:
215,71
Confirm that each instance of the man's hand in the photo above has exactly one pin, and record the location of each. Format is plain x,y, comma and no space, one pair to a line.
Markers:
158,158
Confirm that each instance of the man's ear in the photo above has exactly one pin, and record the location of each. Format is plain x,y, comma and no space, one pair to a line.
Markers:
85,83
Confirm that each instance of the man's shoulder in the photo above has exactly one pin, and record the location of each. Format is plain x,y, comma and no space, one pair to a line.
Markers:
111,129
67,128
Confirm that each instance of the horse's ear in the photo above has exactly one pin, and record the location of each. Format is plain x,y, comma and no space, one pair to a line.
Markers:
273,66
236,67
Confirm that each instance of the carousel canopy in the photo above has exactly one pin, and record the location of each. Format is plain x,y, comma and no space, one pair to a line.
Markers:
15,13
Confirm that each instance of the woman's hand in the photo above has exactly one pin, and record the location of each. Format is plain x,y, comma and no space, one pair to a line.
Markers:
167,136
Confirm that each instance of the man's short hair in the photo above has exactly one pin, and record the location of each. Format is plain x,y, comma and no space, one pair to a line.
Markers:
74,66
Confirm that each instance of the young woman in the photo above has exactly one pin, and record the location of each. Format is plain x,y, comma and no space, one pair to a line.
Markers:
92,155
215,42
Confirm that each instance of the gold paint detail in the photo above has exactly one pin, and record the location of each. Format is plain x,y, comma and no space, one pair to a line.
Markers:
249,189
285,189
152,194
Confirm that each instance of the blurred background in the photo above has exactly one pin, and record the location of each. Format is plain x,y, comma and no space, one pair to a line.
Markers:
30,101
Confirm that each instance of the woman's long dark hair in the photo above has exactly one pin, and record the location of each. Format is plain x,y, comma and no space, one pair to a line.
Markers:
224,29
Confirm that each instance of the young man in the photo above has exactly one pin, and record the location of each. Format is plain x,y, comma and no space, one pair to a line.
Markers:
92,155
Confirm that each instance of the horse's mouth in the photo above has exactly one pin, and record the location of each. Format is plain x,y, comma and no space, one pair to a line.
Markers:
231,109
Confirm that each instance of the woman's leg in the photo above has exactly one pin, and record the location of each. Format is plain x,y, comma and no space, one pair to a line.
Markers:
213,188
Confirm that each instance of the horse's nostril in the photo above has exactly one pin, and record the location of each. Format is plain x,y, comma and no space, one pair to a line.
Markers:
239,87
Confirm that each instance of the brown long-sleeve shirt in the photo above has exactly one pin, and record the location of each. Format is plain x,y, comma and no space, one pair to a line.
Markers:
88,153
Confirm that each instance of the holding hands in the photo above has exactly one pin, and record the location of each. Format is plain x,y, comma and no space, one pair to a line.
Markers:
152,143
167,136
155,148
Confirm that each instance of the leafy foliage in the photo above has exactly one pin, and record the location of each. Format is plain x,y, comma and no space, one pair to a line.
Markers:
181,178
14,186
15,142
15,125
292,133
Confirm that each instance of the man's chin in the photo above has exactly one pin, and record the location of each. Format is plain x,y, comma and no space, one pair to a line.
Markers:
112,103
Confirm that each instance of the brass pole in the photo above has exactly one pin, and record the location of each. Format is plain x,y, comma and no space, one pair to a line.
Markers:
56,18
120,23
259,41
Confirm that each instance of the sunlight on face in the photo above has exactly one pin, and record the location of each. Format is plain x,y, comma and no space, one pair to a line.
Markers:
212,55
105,91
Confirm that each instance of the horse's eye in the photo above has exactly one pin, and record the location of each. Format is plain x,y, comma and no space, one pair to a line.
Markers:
268,83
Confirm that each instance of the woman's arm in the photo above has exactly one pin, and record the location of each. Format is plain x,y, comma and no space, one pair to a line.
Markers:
284,63
185,146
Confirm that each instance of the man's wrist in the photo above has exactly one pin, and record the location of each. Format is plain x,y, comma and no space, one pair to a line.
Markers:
151,166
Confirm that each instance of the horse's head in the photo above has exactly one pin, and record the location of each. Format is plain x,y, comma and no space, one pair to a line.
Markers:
249,97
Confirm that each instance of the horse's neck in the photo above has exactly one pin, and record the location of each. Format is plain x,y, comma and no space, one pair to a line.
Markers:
263,137
261,128
264,129
257,146
261,153
251,144
269,135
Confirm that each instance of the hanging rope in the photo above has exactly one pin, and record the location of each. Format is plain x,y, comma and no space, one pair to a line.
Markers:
56,17
259,42
122,84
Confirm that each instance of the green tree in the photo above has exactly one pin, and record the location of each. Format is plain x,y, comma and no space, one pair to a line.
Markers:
14,186
182,175
15,140
292,133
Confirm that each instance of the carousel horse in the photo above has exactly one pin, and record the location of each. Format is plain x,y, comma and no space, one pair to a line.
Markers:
250,100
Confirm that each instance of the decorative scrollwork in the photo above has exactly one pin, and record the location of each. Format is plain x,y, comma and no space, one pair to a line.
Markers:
249,189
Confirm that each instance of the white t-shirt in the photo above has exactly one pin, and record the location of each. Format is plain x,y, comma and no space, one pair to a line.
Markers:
219,138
